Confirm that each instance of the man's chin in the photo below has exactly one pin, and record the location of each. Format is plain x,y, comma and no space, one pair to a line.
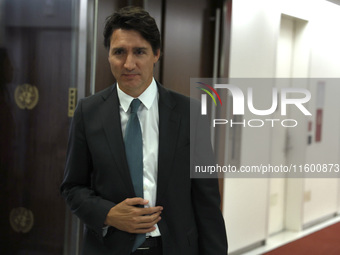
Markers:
129,84
130,81
130,88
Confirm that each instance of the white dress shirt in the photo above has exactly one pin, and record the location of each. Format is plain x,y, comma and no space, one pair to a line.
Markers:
149,119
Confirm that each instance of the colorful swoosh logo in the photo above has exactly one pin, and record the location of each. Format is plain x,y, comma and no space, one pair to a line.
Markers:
209,93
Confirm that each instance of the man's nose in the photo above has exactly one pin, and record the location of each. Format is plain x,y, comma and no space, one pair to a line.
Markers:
130,62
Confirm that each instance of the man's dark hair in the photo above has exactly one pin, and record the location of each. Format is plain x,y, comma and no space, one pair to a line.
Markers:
133,18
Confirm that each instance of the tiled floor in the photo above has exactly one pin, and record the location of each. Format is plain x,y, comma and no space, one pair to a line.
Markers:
288,236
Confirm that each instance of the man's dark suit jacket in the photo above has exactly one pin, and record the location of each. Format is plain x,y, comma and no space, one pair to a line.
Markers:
97,178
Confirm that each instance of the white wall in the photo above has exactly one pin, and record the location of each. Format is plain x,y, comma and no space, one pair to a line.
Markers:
252,55
325,61
254,42
324,192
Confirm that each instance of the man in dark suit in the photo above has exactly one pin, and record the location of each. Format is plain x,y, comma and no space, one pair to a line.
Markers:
169,213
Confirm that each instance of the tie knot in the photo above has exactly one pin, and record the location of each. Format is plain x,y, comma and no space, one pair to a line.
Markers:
134,105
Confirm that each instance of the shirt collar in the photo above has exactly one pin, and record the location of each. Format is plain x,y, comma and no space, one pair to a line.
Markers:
147,97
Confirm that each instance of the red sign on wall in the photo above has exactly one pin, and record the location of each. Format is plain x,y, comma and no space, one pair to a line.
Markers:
318,128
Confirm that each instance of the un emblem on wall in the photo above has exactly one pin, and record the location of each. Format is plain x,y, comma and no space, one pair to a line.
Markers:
26,96
21,219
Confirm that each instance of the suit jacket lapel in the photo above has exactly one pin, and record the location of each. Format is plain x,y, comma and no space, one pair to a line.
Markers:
168,131
113,131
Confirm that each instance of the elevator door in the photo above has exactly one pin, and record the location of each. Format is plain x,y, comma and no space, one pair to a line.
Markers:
36,74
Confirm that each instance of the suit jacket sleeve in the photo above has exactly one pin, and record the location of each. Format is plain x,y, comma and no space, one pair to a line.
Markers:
76,187
205,192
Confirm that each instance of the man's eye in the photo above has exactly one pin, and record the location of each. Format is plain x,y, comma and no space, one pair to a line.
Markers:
118,52
140,52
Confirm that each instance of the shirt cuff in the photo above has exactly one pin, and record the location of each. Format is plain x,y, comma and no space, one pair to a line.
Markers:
105,230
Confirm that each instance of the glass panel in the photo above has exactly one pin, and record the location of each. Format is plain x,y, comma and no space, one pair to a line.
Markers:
37,68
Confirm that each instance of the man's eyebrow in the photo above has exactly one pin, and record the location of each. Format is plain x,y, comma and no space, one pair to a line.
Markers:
118,48
140,48
135,48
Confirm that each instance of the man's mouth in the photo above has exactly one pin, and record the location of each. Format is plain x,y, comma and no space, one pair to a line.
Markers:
130,75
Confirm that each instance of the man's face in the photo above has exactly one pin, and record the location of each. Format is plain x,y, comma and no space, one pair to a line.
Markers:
132,60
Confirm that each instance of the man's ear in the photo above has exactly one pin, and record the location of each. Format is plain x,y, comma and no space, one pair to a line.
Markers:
158,54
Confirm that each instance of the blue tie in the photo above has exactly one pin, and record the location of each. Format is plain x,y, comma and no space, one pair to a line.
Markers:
134,154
